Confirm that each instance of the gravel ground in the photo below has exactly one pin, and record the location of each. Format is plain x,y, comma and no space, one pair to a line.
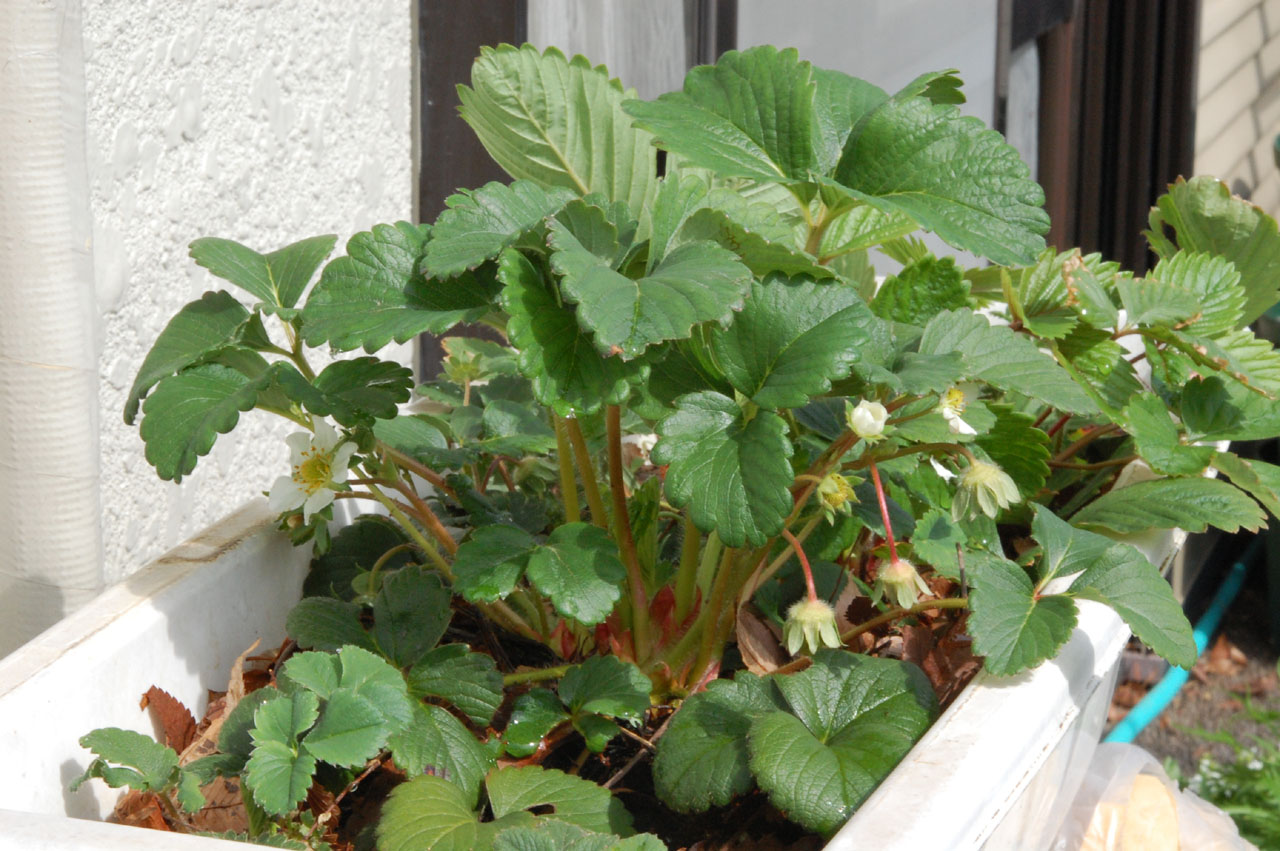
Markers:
1240,662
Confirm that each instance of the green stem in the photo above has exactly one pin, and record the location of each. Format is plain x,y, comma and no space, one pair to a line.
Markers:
1097,465
894,614
409,527
1093,434
587,472
300,360
707,567
622,534
535,676
711,623
951,448
762,576
568,487
414,466
383,559
687,573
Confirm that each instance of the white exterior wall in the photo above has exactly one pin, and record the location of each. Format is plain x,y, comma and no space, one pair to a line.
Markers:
1238,97
263,122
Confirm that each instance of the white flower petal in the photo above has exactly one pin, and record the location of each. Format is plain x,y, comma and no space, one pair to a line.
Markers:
326,438
942,471
299,442
286,495
341,461
316,502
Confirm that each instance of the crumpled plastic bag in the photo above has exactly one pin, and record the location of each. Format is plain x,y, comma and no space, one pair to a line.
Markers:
1128,803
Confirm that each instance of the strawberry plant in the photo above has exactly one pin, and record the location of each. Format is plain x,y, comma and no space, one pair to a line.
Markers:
716,454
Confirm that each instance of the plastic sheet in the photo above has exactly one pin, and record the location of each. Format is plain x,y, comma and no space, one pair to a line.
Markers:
1128,803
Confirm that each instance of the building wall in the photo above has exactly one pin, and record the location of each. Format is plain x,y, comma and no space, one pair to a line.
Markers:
263,122
1238,102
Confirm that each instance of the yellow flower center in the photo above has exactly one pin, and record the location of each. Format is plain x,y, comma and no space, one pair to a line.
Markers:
953,400
314,472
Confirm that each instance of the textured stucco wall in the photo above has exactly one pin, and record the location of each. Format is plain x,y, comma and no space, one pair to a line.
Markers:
258,121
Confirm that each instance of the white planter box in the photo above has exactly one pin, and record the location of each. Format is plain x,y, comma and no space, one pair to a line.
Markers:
181,622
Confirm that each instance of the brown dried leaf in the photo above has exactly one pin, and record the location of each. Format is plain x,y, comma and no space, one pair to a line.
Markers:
759,642
224,808
177,722
917,643
206,742
139,809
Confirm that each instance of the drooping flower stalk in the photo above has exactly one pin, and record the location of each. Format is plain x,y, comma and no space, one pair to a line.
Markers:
884,512
804,563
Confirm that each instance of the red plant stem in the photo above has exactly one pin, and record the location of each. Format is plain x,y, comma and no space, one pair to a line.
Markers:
804,564
1057,427
1040,419
884,512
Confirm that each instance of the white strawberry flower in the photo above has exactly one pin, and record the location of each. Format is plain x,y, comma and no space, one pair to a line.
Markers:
867,420
319,468
952,405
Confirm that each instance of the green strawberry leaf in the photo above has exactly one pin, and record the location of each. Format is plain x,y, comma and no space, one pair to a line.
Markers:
606,685
313,670
1215,284
479,223
794,337
1123,579
410,614
354,392
487,567
1257,478
935,540
277,279
950,173
431,813
697,282
559,122
1148,302
185,414
350,731
469,681
852,718
839,103
354,550
567,372
323,623
126,758
731,472
579,569
535,714
745,229
1205,216
377,293
571,799
1103,363
437,742
369,676
749,115
1065,549
1155,435
702,761
1190,503
1005,359
1019,447
200,329
279,772
921,291
1012,627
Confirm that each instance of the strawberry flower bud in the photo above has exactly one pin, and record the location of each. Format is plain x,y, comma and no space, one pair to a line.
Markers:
867,420
899,581
811,624
983,486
